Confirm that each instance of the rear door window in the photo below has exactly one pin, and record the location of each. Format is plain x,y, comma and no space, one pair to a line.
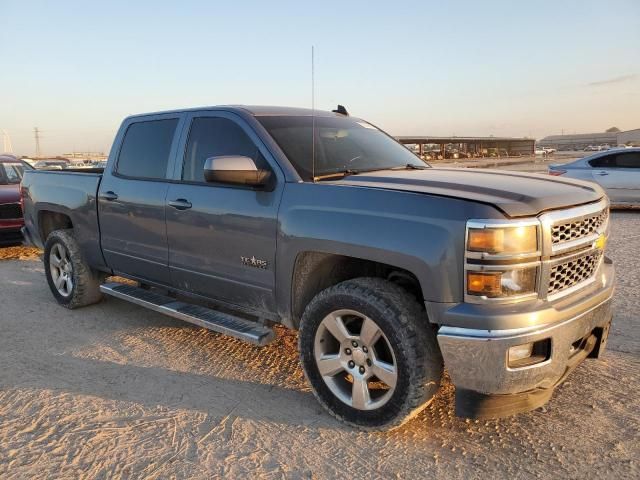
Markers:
608,161
146,148
628,160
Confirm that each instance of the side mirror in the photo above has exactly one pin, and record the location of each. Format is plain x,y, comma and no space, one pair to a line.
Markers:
236,170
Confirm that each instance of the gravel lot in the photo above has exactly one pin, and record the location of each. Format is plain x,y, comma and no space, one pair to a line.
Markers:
114,390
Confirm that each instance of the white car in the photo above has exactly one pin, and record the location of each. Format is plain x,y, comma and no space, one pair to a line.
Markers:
544,150
616,170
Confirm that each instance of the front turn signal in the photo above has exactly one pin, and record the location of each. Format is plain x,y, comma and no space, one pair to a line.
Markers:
484,283
505,283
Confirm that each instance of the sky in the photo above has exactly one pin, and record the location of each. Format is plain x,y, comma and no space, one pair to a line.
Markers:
75,69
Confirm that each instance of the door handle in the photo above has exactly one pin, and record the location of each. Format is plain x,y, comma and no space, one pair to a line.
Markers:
109,196
180,204
602,173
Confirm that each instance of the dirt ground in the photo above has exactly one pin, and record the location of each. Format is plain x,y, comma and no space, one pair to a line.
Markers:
19,253
115,391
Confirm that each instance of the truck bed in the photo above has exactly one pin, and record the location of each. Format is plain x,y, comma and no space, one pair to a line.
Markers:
74,170
70,193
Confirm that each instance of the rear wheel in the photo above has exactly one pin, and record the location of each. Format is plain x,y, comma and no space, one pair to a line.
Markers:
369,353
71,280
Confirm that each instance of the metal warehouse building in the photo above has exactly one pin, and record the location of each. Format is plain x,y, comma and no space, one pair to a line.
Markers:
580,141
474,146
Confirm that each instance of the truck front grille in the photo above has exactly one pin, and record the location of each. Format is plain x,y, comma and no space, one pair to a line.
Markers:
568,274
576,229
10,211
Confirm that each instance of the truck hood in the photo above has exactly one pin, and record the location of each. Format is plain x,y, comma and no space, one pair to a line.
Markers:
516,194
9,193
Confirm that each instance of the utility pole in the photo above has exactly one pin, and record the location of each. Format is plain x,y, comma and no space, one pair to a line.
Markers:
36,132
6,140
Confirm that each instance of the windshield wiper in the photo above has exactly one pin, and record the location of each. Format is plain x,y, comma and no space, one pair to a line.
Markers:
410,166
340,174
349,171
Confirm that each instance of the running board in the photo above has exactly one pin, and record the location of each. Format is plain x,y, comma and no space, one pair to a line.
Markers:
224,323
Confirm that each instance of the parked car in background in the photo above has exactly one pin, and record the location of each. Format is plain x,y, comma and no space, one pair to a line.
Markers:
453,154
51,165
615,170
11,220
433,155
544,150
490,152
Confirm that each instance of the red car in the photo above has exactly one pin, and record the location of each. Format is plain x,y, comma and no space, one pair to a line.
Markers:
11,220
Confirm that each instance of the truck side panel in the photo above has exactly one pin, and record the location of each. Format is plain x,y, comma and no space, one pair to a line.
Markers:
69,194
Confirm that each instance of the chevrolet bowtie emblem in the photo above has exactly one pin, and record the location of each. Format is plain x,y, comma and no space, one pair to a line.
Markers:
601,242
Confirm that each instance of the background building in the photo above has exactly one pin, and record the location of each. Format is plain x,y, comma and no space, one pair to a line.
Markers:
613,138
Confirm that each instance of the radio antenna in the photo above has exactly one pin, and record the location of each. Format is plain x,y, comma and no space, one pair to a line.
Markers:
313,116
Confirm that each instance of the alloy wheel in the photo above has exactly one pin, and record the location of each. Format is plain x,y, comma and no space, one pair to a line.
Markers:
355,359
61,269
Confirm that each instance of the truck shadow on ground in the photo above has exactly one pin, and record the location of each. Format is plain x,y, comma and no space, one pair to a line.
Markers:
122,352
153,386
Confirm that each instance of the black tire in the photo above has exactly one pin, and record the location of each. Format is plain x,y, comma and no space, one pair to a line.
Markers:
86,281
413,340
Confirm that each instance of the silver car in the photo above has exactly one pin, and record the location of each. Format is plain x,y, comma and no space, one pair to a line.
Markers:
617,171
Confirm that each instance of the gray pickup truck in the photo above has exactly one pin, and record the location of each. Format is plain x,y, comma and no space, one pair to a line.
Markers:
238,218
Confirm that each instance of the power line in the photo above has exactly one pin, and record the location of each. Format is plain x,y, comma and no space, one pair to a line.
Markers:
6,140
37,137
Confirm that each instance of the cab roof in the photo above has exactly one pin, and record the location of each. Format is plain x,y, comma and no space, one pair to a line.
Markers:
254,110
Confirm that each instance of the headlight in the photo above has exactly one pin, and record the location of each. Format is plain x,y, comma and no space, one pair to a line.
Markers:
502,260
502,283
503,239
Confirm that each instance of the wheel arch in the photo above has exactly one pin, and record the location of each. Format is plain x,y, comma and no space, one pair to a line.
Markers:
49,221
315,271
83,223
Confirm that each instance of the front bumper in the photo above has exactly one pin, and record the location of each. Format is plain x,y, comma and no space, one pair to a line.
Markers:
477,360
7,226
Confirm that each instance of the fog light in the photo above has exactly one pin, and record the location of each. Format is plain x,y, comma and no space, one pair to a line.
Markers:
529,354
520,352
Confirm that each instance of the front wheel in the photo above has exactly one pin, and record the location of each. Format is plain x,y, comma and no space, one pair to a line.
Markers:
369,353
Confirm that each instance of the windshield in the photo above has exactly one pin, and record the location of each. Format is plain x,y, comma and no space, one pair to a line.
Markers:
10,173
341,145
